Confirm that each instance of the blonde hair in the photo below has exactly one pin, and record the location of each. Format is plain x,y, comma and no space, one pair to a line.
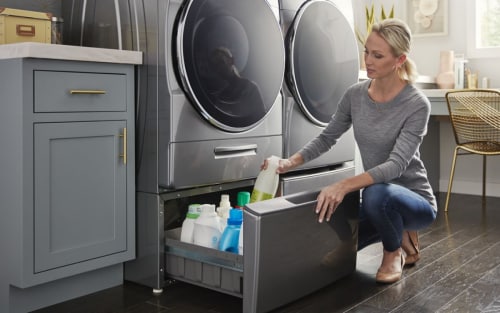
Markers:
398,35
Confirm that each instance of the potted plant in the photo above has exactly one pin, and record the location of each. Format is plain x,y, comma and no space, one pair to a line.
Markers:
370,20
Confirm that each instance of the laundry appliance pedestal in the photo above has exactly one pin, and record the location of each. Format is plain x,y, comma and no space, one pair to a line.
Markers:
285,248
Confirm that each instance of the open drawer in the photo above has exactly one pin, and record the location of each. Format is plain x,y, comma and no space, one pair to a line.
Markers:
210,268
287,253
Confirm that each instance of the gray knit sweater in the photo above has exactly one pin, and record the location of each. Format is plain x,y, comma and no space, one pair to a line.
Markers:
388,136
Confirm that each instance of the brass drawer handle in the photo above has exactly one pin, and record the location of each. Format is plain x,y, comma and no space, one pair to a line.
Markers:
87,92
124,154
25,30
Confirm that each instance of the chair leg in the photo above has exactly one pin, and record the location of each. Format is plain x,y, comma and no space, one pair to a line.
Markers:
450,183
484,179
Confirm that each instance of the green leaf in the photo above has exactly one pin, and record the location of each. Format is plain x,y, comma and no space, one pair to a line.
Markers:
369,17
391,14
372,19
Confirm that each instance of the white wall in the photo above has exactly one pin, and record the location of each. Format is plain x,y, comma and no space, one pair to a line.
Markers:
425,52
49,6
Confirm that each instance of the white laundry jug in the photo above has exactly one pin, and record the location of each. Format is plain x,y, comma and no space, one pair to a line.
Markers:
187,230
207,227
267,181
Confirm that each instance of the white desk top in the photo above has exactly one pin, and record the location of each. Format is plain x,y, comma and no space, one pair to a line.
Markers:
435,93
65,52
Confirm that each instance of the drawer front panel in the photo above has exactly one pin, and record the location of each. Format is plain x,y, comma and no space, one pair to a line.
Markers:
56,91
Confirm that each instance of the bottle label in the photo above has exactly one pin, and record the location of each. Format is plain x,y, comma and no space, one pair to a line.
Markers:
192,215
258,195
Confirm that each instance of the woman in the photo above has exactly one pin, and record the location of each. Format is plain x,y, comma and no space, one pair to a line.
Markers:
389,117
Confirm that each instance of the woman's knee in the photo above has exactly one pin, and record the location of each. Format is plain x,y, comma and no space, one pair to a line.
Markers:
372,199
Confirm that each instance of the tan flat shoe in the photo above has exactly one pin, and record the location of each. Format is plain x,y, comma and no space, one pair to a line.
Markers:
410,246
390,277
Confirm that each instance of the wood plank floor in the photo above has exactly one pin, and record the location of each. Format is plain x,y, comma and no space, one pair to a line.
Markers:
459,272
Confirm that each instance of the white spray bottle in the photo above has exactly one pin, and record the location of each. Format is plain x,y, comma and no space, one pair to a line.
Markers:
267,181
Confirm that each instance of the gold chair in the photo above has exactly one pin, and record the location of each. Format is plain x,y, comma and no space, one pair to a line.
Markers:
475,119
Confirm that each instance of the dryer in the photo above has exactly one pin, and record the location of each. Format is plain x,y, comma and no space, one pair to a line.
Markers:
322,62
209,107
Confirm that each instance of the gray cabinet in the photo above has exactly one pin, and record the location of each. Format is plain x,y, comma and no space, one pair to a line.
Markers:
68,184
80,192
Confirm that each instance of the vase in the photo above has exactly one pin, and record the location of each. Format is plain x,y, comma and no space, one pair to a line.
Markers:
446,77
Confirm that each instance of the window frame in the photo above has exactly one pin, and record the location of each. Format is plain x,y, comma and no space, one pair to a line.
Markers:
473,52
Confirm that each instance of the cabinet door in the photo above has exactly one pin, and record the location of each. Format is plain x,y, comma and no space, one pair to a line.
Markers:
80,192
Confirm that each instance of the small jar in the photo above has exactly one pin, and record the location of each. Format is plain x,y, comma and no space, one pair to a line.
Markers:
486,83
57,30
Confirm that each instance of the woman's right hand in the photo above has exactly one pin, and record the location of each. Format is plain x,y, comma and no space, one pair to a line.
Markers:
285,165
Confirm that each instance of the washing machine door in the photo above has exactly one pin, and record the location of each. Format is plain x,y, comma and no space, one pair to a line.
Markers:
231,60
323,59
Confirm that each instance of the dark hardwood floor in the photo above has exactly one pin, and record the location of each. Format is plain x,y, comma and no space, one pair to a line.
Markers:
459,272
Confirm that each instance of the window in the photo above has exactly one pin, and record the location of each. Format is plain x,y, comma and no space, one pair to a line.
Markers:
483,29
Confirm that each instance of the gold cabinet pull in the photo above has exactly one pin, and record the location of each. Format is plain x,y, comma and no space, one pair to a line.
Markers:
124,154
87,92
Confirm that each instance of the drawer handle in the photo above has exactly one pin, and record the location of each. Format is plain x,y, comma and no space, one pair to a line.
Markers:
87,92
124,154
236,151
25,30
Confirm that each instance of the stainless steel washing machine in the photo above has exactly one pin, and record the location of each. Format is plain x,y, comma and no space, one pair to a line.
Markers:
322,62
209,103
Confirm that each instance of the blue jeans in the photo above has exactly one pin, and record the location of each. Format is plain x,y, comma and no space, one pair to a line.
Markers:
389,209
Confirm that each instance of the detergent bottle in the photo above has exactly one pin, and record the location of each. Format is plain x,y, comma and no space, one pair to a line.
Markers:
267,181
207,227
187,230
230,236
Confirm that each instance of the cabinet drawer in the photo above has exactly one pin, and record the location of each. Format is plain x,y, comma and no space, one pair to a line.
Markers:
57,91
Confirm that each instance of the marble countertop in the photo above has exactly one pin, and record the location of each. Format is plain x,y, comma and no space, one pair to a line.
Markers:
65,52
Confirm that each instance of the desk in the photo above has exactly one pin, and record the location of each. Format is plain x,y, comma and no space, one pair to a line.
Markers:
430,148
440,141
438,101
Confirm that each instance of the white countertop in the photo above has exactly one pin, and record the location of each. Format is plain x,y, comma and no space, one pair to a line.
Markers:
440,93
424,81
65,52
435,93
421,79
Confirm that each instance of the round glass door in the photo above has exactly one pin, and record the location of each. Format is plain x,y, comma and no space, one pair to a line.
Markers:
323,59
231,60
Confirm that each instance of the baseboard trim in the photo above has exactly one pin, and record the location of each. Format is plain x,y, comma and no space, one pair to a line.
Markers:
470,188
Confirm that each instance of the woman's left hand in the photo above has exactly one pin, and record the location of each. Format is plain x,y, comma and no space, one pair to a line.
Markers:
328,200
331,196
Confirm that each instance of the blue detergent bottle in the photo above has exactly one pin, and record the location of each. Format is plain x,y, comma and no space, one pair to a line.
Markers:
230,237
